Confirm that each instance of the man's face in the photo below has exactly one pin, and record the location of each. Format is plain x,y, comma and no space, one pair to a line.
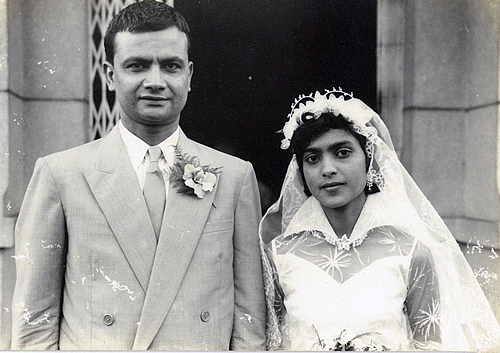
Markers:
151,76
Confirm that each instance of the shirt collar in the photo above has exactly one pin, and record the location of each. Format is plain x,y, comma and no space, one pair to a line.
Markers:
137,148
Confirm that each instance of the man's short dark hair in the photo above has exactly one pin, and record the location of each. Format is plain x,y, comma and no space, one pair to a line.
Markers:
143,16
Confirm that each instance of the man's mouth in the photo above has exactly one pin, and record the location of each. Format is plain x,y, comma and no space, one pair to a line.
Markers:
154,98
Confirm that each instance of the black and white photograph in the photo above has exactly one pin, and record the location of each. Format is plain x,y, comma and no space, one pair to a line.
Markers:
227,175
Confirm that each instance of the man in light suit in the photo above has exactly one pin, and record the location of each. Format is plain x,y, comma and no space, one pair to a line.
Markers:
96,268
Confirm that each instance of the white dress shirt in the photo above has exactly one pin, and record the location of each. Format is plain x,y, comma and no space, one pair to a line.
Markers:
138,152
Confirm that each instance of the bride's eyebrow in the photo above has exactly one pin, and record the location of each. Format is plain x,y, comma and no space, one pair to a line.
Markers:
333,146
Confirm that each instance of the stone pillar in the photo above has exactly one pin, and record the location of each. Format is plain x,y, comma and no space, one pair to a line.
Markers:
6,223
43,103
390,66
446,116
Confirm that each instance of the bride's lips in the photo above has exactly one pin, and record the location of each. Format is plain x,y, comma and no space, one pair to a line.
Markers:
331,185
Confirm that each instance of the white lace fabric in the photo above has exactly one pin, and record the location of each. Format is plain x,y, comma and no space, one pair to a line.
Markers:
406,282
370,286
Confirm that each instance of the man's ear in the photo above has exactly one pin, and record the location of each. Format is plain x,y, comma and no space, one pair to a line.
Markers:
109,71
191,67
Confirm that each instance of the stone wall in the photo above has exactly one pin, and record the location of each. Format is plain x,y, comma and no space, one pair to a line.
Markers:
438,86
43,106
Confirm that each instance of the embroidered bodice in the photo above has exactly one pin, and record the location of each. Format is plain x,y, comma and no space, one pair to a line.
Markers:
384,288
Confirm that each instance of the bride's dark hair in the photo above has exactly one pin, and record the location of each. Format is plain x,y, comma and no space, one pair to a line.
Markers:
313,128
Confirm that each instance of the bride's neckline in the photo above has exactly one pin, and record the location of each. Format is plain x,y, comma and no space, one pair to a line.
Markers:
311,217
343,243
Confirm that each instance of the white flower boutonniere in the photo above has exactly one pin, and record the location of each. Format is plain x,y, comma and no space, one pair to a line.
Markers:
192,177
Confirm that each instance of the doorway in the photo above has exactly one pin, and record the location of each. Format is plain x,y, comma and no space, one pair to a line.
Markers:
252,59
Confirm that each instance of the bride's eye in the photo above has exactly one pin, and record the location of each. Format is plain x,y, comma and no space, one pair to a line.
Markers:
311,159
344,152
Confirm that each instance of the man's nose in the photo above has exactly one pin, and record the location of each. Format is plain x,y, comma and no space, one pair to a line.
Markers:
154,79
328,167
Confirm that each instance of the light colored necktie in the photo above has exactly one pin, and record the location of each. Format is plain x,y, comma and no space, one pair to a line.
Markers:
154,189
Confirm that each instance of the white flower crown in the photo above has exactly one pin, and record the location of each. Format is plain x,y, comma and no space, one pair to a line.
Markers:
307,107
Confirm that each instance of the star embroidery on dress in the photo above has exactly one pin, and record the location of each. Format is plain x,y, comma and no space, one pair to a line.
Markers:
429,320
334,262
389,239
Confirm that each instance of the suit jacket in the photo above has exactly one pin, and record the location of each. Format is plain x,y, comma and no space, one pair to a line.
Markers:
91,275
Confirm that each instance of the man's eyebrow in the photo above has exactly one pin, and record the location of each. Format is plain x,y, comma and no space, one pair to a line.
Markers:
136,59
171,58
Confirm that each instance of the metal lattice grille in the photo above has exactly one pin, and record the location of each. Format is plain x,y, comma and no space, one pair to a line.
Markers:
103,109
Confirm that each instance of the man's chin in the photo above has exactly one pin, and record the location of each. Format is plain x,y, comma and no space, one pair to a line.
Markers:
156,115
160,120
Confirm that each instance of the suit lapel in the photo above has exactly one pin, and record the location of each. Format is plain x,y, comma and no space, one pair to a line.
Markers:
116,188
183,223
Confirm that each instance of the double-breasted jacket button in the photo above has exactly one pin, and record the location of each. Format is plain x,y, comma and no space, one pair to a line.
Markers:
108,320
205,316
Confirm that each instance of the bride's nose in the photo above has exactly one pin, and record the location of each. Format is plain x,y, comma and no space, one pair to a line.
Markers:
328,167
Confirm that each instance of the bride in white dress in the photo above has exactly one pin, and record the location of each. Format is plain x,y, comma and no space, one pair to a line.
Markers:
355,256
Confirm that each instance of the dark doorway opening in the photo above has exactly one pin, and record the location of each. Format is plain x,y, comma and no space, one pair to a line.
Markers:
253,58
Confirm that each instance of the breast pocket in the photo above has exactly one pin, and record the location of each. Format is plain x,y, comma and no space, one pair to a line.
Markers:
212,262
218,227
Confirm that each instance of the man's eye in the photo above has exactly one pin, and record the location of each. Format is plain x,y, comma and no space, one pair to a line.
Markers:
171,67
136,66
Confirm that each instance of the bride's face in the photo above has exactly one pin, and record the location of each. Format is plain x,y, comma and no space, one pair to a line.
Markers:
334,167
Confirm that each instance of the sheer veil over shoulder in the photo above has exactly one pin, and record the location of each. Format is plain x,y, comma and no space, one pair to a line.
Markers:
399,282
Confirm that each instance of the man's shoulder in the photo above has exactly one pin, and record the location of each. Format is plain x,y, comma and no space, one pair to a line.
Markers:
78,155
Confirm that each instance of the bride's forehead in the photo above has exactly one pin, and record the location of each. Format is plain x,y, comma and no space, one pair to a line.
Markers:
333,137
